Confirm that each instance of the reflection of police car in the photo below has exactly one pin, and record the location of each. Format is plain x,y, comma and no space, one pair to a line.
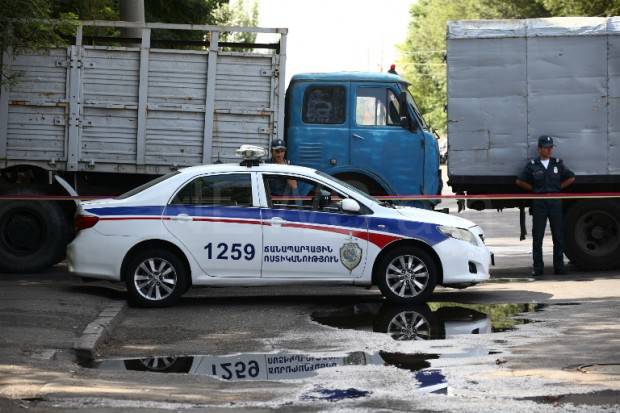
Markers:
281,366
224,225
404,323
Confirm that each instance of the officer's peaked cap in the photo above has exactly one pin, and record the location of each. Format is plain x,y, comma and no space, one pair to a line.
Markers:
545,142
278,144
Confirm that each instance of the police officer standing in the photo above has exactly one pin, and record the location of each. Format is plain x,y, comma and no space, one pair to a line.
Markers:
281,187
546,175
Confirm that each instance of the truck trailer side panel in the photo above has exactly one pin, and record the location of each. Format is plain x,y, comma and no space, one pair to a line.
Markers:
511,81
137,109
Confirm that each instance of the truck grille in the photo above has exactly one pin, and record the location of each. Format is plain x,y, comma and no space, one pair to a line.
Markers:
310,153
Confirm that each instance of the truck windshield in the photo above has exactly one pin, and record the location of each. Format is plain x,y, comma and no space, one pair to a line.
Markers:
413,106
147,185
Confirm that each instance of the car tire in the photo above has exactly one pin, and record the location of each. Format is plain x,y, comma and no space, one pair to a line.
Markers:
33,235
155,277
416,280
408,323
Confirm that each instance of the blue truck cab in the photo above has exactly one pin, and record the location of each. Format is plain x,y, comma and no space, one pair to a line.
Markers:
363,128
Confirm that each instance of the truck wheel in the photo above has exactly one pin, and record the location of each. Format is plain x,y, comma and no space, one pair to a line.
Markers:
33,235
406,275
593,234
155,278
359,185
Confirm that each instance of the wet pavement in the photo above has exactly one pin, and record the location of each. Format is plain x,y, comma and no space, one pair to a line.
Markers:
514,344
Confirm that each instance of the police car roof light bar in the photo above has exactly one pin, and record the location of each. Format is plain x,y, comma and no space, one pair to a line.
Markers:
251,155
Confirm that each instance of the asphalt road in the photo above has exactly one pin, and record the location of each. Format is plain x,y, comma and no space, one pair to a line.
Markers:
513,344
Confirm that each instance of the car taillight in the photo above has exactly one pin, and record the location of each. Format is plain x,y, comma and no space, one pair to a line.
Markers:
85,221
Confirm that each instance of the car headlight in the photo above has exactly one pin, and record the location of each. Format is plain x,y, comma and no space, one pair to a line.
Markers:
458,233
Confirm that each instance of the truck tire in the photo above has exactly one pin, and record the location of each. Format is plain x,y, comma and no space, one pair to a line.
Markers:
33,235
592,234
362,186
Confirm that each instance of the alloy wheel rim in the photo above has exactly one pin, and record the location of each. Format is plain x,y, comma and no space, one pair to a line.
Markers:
157,363
155,279
409,325
407,276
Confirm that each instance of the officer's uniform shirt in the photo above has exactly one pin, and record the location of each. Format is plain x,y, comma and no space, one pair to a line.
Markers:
547,179
278,186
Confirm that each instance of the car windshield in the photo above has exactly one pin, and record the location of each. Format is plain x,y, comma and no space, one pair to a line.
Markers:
147,185
349,187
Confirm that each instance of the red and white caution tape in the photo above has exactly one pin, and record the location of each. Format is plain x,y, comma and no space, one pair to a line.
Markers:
560,195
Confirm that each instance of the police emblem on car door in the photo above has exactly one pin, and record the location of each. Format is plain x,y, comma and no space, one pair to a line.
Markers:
350,255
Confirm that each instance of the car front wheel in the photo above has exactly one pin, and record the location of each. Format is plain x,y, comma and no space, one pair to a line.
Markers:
407,275
155,278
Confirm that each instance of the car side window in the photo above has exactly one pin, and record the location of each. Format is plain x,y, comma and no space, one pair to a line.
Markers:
324,105
291,192
376,106
220,190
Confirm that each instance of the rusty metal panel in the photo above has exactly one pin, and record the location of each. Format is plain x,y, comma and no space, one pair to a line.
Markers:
244,110
129,109
110,80
176,96
37,106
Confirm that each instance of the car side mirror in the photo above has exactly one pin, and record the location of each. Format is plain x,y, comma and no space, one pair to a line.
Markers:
350,205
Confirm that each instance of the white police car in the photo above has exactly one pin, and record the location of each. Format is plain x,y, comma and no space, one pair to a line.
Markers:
264,224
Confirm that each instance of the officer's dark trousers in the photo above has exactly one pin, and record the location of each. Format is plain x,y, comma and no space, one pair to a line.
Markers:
541,211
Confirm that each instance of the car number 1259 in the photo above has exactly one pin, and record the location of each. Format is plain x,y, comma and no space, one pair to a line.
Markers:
237,371
237,251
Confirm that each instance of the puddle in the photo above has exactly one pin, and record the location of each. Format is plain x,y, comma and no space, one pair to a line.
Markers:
432,321
610,369
283,366
598,398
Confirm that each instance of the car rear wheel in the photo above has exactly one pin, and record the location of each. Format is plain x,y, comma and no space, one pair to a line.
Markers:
407,275
155,278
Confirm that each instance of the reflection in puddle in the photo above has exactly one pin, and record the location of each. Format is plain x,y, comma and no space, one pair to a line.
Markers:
281,366
433,321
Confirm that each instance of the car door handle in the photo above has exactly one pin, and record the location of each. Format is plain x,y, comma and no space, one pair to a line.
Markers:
277,221
182,218
356,136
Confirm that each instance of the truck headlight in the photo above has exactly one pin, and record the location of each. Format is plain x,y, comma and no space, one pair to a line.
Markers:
458,233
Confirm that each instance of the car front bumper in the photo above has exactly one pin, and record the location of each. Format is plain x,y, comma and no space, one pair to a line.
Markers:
462,262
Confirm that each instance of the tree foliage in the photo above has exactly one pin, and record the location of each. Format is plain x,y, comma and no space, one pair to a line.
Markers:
422,60
181,11
238,14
